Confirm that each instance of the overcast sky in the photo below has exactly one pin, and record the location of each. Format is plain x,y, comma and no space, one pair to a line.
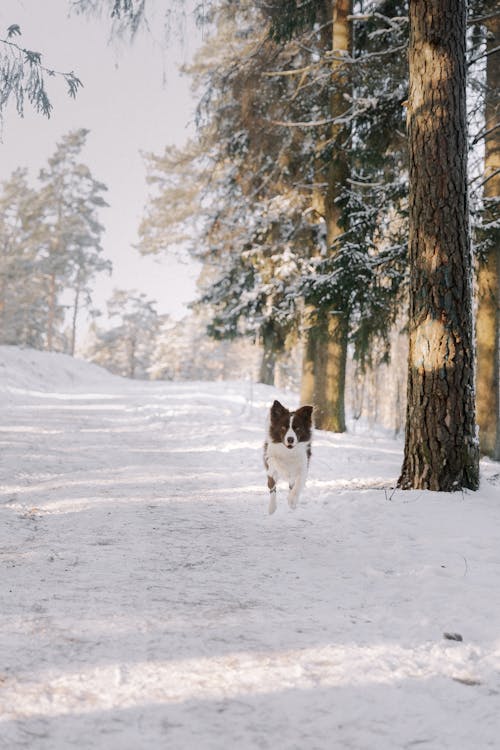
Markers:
133,100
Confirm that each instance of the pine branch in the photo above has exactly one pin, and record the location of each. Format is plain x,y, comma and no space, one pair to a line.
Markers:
395,22
22,75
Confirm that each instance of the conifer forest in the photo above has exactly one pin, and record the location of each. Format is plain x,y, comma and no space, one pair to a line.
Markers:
339,194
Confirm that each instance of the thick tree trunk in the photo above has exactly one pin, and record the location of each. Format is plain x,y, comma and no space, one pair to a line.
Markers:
441,450
308,357
488,313
329,394
268,361
327,348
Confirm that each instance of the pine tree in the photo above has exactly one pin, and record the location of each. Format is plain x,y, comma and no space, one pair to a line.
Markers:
126,347
70,197
488,313
332,332
245,231
441,451
23,311
174,215
254,291
352,288
250,90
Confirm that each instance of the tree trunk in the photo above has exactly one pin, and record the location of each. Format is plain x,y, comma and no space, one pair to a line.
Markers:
51,311
3,290
488,313
73,322
329,393
132,347
441,450
329,349
268,361
308,357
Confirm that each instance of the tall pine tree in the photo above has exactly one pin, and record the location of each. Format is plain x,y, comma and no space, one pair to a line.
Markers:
71,198
441,450
488,313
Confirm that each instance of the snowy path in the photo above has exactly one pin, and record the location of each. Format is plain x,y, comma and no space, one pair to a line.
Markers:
149,601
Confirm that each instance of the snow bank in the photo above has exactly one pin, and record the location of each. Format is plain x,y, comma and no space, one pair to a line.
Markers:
30,370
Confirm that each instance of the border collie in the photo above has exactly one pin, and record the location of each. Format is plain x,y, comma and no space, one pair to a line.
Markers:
287,450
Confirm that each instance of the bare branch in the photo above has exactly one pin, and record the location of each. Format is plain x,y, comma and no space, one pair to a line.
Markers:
291,72
394,22
305,123
485,133
484,54
486,17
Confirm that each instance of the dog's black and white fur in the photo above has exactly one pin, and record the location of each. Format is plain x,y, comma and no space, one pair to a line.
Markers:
287,450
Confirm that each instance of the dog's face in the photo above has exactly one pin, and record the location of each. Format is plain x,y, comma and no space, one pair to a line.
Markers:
290,427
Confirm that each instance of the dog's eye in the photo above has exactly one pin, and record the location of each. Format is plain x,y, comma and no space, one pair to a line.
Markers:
283,430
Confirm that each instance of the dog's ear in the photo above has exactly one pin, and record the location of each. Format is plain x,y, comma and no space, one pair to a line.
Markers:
305,413
278,409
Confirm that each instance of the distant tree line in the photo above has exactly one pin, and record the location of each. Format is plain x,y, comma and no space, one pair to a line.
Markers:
50,249
137,342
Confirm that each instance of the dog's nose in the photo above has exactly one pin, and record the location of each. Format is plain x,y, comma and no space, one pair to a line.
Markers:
290,440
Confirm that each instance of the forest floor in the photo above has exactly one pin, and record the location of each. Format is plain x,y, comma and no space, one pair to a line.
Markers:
149,601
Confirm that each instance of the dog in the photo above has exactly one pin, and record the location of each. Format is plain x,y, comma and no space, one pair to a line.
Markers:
287,450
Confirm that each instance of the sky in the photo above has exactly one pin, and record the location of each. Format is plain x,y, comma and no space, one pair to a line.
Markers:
133,100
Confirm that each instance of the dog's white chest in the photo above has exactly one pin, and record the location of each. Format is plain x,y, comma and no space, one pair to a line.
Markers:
287,462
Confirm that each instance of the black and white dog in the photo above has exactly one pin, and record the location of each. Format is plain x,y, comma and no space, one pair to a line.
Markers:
287,450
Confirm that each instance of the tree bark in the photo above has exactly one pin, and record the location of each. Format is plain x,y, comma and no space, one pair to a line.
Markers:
441,449
327,348
309,356
3,290
268,361
488,313
331,358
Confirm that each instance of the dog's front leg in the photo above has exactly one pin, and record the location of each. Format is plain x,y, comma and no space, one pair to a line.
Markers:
271,483
296,488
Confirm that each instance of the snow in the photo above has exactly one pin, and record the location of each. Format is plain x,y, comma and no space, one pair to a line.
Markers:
149,600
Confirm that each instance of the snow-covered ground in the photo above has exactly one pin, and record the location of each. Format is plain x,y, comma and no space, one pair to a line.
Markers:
148,600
